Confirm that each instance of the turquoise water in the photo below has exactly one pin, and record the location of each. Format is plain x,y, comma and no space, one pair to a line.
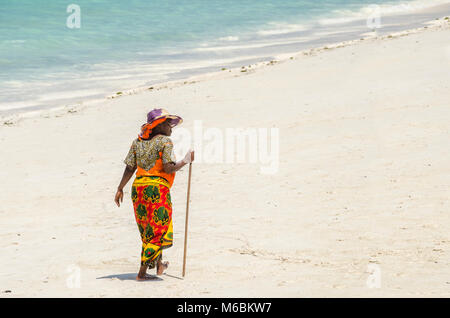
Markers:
126,44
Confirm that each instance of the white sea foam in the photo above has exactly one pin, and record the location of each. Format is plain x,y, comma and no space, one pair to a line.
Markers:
14,84
278,28
249,46
229,38
346,16
16,105
69,94
14,41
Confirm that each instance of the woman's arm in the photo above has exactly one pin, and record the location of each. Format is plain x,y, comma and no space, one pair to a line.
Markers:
127,174
171,167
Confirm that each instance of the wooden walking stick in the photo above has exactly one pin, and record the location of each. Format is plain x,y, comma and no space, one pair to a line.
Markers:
186,221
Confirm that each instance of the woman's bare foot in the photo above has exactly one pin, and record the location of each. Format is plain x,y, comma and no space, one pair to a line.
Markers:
142,275
161,267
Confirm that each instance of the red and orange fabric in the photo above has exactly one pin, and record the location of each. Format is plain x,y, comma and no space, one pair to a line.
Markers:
153,212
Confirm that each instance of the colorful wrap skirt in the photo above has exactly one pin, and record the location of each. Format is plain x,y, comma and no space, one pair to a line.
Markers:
153,211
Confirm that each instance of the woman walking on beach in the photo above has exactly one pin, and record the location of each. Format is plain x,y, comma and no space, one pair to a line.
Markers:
151,154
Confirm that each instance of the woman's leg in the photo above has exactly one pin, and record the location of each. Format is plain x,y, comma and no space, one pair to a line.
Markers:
161,266
142,275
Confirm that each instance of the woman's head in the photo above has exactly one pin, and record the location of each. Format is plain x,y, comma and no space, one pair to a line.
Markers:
159,121
163,128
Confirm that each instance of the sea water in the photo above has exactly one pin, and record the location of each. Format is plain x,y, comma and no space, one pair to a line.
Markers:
56,53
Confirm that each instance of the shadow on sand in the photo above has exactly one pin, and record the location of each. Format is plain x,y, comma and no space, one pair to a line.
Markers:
129,276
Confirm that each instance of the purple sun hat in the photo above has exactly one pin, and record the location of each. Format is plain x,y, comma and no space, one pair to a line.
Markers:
156,117
159,113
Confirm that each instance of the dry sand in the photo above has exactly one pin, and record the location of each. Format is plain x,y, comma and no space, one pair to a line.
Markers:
360,200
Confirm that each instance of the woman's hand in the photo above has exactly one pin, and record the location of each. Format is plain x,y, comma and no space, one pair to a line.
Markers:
119,197
172,167
127,174
189,156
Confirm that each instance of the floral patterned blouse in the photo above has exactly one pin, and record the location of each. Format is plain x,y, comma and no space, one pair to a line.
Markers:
144,153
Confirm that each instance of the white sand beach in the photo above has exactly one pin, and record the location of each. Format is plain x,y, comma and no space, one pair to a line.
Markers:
359,206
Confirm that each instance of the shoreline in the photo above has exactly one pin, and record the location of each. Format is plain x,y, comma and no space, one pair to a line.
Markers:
13,117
